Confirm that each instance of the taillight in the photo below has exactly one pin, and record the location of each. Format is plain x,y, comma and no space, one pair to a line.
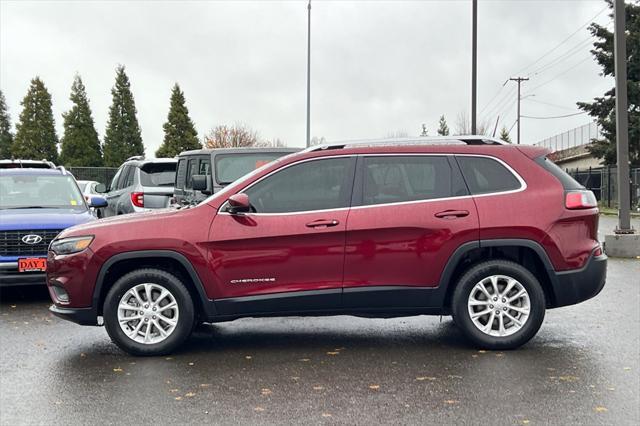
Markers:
580,200
137,198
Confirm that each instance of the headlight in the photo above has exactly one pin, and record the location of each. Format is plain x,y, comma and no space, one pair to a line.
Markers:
70,245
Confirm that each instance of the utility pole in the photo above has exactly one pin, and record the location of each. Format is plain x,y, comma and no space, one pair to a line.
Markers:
474,64
622,120
519,80
309,74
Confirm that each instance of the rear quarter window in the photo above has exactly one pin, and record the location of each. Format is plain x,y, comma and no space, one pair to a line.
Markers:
486,175
568,183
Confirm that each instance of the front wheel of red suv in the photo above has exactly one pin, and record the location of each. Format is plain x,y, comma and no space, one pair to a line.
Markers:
148,312
498,304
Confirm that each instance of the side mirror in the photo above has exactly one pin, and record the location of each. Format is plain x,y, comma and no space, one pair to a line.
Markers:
239,203
97,202
199,183
101,188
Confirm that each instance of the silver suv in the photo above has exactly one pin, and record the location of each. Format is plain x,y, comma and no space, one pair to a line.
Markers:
140,185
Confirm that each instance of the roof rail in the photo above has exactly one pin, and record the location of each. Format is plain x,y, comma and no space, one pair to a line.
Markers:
440,140
135,157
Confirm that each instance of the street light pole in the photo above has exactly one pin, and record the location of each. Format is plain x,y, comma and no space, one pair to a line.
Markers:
474,64
309,74
622,120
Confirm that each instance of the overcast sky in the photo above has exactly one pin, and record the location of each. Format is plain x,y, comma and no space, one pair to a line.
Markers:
377,66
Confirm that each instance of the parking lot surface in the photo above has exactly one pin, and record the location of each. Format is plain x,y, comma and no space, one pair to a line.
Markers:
582,368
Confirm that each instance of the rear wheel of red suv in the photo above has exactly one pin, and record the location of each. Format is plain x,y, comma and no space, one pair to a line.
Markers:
498,304
148,312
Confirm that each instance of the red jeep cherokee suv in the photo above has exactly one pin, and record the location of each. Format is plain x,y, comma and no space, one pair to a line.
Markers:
491,234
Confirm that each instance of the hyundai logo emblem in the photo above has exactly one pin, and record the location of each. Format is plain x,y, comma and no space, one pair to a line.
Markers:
31,239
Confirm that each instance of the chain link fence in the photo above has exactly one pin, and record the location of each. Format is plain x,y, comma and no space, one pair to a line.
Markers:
99,174
582,135
604,184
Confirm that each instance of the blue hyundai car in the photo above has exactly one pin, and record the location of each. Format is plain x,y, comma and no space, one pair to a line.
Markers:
35,205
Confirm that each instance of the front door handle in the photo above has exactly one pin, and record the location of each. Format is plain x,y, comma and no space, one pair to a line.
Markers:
323,223
452,214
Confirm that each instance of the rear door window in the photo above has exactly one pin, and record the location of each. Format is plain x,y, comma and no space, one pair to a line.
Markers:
396,179
486,175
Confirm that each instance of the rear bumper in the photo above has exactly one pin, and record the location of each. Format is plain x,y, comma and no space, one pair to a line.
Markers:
575,286
82,316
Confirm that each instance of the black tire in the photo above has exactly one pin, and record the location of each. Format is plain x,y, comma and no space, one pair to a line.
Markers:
483,270
183,299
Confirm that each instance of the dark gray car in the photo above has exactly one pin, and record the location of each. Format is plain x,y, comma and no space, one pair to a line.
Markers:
219,167
140,185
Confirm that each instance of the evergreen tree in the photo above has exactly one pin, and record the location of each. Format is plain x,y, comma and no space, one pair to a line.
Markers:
179,132
36,137
603,108
80,145
443,129
6,137
504,135
122,138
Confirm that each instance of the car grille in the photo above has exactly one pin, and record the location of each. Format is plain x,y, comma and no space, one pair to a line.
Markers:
11,243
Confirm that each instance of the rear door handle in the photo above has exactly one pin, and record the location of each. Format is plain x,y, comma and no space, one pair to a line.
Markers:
323,223
451,214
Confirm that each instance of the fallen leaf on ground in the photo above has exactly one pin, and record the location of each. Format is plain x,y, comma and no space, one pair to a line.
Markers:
525,422
247,357
326,415
117,370
205,385
304,360
374,387
601,410
451,401
266,391
295,378
482,351
190,394
420,379
258,409
173,390
168,358
178,398
333,353
568,378
191,363
318,387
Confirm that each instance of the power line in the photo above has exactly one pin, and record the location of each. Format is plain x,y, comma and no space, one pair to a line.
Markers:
559,75
552,117
562,42
568,54
549,103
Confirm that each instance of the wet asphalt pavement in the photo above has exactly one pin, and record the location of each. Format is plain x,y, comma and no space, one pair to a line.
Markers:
583,367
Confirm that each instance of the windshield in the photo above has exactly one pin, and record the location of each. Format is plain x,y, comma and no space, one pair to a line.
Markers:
230,167
44,191
82,184
158,174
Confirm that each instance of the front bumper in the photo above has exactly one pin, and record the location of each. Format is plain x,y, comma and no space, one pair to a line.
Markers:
10,277
82,316
575,286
